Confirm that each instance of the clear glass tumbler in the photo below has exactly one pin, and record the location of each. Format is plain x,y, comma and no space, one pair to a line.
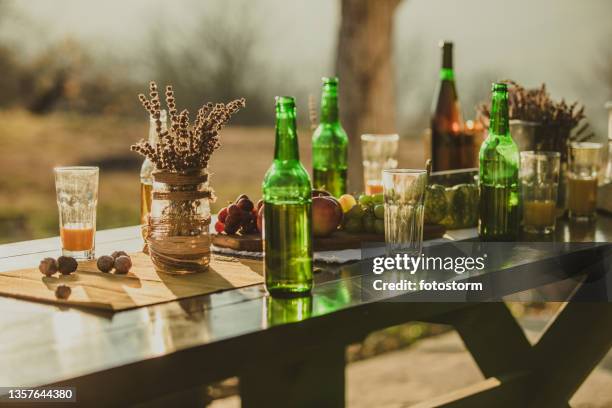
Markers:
584,162
77,198
404,193
379,152
539,184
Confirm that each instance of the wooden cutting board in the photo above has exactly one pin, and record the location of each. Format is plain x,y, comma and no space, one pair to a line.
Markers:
142,286
337,241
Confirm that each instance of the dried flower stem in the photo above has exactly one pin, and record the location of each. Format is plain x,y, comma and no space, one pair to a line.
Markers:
184,147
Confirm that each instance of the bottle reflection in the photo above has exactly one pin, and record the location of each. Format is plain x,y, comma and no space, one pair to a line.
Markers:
286,310
336,298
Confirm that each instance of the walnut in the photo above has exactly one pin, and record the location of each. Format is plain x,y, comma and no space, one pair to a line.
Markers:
67,265
123,264
48,266
105,263
117,254
63,292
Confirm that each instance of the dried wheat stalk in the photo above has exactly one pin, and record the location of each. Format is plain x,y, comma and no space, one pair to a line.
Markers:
535,105
184,147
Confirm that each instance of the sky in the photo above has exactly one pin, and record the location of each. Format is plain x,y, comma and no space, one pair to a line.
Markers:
559,42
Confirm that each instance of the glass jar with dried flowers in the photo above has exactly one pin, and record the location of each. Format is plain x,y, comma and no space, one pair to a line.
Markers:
177,233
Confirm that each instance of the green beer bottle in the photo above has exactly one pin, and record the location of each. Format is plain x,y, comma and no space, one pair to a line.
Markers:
330,144
498,174
287,211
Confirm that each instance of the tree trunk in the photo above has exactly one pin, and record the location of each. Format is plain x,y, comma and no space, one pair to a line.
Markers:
364,65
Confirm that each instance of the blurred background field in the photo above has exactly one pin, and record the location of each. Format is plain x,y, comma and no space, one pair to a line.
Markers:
29,210
70,72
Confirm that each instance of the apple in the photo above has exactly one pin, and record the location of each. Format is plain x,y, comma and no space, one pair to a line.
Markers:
320,193
347,202
326,215
260,217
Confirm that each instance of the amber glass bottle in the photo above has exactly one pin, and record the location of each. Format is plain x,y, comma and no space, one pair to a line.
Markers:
448,150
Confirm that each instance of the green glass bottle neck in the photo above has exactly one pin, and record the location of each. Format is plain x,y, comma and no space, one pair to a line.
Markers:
286,145
329,107
499,122
447,74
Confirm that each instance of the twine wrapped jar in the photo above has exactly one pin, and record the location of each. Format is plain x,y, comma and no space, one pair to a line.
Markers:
177,233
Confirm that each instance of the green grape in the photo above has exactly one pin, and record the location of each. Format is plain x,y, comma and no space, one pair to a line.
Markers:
379,226
379,211
353,225
355,212
378,198
365,200
368,223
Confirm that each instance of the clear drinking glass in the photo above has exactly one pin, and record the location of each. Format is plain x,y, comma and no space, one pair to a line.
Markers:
404,193
77,198
379,152
584,162
539,184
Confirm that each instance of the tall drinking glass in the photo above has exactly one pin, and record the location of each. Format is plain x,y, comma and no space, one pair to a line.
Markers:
404,193
77,198
379,152
539,183
584,162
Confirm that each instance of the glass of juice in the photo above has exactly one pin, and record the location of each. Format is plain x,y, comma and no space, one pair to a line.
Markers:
404,194
584,162
379,152
77,197
539,174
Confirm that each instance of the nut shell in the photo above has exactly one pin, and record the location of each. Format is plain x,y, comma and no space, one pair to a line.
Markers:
63,292
105,263
67,265
123,264
48,266
117,254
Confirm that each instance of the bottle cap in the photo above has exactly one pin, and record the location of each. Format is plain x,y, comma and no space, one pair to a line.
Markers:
330,80
499,87
285,103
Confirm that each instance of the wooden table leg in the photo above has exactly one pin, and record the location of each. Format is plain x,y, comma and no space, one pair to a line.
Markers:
493,337
501,350
316,380
572,346
552,370
575,341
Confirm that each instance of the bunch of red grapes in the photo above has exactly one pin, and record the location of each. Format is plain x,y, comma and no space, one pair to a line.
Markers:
239,217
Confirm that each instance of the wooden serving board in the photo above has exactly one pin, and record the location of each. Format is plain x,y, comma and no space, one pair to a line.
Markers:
142,286
337,241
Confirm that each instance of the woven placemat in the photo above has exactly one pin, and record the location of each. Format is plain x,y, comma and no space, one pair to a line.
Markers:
142,286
